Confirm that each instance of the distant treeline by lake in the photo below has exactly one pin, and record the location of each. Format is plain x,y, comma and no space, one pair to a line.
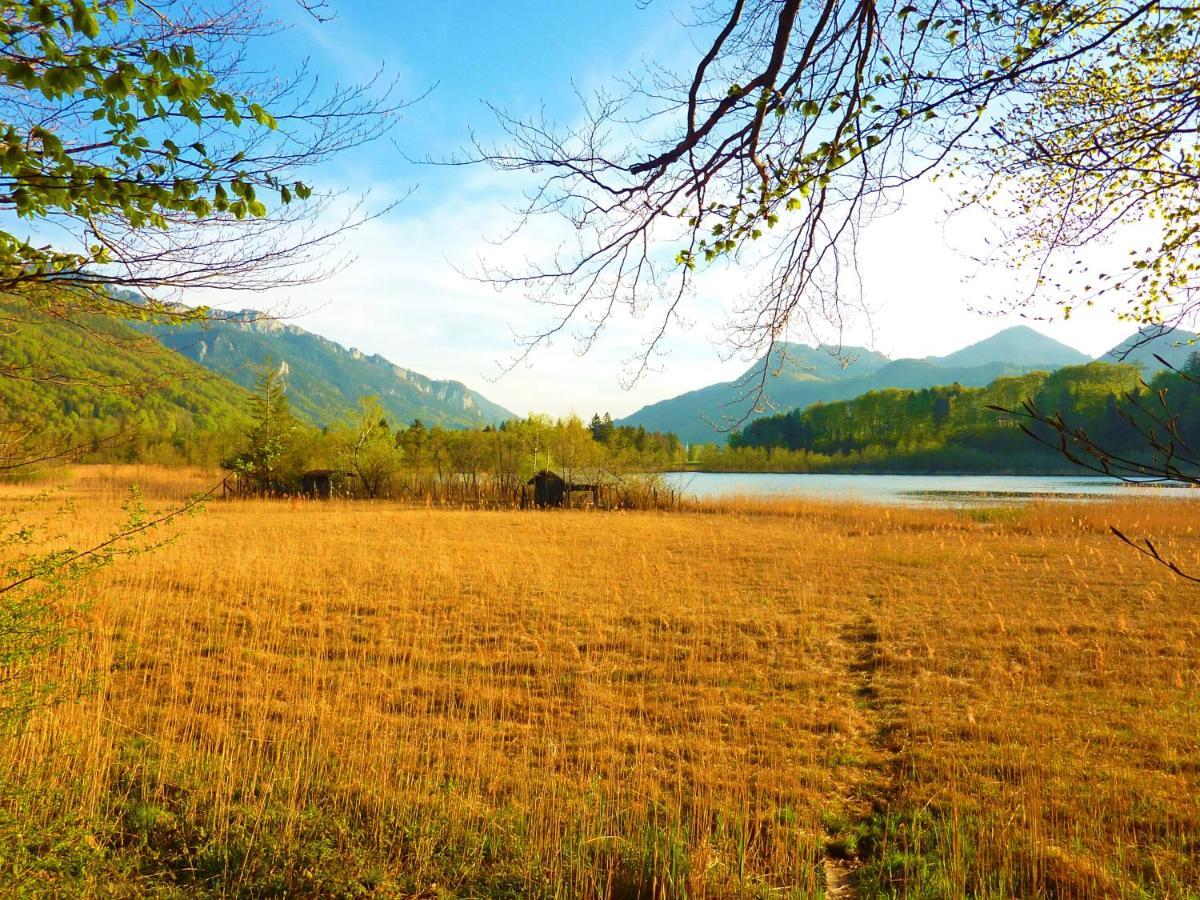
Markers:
957,429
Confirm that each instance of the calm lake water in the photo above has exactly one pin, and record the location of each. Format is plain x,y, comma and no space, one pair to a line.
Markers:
910,490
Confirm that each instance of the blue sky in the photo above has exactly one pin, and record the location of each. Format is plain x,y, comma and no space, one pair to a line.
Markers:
520,56
408,296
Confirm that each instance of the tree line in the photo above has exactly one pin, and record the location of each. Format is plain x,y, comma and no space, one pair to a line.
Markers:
959,429
367,456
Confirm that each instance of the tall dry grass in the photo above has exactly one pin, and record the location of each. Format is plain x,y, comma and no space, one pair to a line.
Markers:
348,699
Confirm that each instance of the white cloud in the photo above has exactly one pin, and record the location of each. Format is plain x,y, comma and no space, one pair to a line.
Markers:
929,295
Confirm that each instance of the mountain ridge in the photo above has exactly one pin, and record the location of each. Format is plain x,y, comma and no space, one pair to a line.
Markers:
1015,350
1017,345
324,379
1174,345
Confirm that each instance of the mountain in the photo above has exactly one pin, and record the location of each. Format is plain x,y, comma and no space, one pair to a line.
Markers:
810,375
944,429
799,362
324,379
1019,346
805,374
93,378
1141,348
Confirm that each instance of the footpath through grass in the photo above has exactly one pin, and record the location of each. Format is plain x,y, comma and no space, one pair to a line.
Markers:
303,699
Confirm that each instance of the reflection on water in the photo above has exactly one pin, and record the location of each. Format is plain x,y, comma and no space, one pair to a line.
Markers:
937,490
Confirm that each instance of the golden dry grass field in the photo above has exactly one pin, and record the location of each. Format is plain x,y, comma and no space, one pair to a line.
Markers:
362,699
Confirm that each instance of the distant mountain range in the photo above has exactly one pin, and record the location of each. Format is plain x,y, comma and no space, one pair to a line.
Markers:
192,379
1141,349
325,380
798,376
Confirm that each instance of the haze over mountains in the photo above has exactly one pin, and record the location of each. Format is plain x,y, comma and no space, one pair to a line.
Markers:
808,375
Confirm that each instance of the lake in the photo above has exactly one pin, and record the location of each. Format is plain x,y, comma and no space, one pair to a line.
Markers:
916,490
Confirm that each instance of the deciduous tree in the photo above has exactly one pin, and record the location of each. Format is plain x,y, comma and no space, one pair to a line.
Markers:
798,122
369,449
142,149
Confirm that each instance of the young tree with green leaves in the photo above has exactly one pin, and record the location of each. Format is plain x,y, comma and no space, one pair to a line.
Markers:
369,450
412,441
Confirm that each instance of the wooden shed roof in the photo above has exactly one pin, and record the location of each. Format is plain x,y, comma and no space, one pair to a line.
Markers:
580,476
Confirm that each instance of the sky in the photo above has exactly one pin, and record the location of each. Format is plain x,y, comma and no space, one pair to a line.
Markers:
409,292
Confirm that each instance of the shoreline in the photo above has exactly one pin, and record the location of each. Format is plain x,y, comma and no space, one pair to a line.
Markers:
923,474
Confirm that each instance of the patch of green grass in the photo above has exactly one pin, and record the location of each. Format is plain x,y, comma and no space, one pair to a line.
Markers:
145,842
148,840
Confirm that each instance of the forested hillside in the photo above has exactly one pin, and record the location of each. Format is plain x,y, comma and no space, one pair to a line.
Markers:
105,386
952,428
798,376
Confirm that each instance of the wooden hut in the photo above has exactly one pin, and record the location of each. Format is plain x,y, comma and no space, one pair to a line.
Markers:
553,487
318,483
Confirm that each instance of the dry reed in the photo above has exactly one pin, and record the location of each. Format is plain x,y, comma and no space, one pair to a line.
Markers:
365,699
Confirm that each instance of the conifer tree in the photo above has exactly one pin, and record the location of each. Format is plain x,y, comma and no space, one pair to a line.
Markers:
271,435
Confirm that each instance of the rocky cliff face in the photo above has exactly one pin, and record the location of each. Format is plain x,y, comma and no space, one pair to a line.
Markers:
324,379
